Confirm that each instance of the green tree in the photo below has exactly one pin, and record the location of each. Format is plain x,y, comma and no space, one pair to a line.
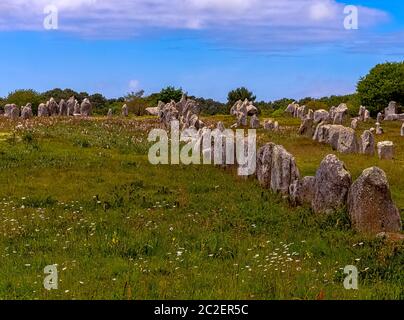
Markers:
170,93
239,94
384,83
22,97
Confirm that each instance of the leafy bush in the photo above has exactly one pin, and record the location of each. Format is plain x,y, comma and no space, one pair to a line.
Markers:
384,83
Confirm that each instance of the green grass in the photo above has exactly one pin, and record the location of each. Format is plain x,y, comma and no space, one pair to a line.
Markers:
82,195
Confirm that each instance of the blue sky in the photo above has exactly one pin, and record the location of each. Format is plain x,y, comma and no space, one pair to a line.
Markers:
276,48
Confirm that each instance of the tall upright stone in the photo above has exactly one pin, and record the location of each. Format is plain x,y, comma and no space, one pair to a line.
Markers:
331,186
368,143
370,205
86,108
62,108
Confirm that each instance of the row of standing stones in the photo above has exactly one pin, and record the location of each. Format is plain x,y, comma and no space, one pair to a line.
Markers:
326,127
51,108
368,200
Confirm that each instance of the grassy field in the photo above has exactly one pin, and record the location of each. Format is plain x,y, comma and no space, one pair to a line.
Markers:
82,195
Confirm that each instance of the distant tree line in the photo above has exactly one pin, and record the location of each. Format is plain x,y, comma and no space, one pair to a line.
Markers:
384,83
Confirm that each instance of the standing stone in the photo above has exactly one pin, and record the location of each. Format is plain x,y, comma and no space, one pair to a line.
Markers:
53,107
62,108
402,130
276,168
255,122
70,106
391,110
14,112
26,112
347,141
379,129
268,125
76,109
220,126
86,108
372,130
291,109
7,110
306,128
379,117
385,150
340,113
367,116
242,119
302,191
276,126
321,116
362,111
110,113
43,110
310,114
354,123
125,111
370,205
368,143
331,186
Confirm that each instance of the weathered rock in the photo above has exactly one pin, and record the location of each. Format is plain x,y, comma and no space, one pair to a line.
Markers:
370,205
367,116
379,117
331,185
242,119
367,143
321,116
110,113
340,113
276,168
347,141
86,108
372,130
379,129
354,123
385,150
340,138
306,128
291,109
26,112
361,113
268,125
7,110
255,122
186,112
76,109
276,126
302,191
125,111
251,109
152,111
70,106
43,110
14,112
301,112
53,107
220,126
310,114
62,108
392,109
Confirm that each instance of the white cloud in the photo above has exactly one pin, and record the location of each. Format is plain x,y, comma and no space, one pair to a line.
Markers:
252,21
134,85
